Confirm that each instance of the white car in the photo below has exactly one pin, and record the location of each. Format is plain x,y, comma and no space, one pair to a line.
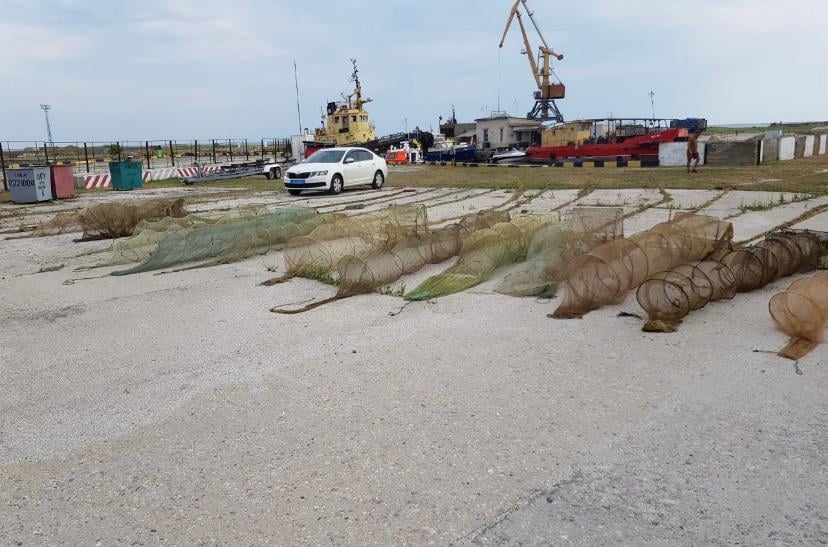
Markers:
334,169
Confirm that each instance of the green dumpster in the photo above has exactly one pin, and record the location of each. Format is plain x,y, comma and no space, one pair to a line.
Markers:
126,175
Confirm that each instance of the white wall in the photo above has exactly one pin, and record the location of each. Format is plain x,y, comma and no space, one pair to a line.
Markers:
787,145
674,154
809,146
823,143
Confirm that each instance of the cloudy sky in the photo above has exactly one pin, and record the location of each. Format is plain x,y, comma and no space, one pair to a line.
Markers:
184,69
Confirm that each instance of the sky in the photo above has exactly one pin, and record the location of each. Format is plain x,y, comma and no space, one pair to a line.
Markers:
188,69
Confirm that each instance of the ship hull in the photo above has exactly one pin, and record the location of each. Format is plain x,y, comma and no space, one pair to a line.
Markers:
644,147
462,154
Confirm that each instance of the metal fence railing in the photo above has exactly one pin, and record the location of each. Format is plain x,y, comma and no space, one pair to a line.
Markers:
94,157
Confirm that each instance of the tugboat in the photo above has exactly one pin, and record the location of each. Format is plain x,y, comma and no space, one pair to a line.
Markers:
347,121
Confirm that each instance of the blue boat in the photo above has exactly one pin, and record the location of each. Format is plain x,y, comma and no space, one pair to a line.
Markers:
457,153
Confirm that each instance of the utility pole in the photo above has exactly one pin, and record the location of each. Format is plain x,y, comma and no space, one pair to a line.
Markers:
296,81
46,108
652,102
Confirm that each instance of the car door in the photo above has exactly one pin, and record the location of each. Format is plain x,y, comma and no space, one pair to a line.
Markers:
352,169
368,166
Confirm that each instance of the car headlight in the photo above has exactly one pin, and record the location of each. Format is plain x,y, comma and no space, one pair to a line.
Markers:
319,174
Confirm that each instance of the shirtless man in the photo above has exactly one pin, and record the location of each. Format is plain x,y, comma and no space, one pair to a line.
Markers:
693,151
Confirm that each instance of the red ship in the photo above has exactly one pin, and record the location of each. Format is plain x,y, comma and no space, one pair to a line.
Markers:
615,139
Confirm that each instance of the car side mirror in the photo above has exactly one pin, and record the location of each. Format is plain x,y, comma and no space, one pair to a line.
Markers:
349,160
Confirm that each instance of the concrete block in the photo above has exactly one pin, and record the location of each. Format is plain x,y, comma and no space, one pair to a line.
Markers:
634,164
769,150
823,144
674,154
799,146
588,164
733,153
809,146
787,146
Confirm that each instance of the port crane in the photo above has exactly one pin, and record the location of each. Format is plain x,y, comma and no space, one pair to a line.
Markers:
545,107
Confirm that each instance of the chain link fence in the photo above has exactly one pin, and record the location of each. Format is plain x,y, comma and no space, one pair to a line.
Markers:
94,157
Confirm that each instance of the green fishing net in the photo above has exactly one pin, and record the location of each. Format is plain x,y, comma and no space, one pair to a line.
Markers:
231,241
482,253
555,244
148,234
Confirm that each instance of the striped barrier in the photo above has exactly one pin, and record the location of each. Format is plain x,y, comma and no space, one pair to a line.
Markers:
193,171
96,182
159,174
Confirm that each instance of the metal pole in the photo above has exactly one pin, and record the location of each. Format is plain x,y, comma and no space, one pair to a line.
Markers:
3,166
246,151
147,154
46,153
214,151
172,154
196,150
86,156
118,144
263,154
230,146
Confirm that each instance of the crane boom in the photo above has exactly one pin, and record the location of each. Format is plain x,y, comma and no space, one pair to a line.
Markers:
547,92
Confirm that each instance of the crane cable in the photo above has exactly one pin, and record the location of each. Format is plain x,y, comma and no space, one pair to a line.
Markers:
499,77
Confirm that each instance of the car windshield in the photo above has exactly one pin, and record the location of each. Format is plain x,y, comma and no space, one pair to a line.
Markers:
325,156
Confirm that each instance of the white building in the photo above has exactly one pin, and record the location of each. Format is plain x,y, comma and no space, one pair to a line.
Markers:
501,132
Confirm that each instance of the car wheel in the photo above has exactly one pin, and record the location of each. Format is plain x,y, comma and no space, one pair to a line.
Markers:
277,172
379,180
269,175
336,185
293,192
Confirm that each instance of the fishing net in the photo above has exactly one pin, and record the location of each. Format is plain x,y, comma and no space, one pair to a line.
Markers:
359,235
801,312
668,296
482,253
231,241
608,272
148,234
109,220
554,245
365,274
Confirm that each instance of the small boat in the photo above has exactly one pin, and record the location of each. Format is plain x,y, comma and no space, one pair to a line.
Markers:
404,153
514,155
446,150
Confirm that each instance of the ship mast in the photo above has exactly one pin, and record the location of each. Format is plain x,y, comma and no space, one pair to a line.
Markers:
359,101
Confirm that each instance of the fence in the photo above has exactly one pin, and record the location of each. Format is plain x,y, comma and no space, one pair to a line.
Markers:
94,157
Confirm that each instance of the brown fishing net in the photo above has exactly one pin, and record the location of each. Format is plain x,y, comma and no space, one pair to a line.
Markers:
109,220
668,296
801,312
482,253
554,245
605,274
321,250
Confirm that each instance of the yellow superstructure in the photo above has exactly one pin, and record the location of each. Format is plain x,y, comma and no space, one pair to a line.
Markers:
347,122
573,133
